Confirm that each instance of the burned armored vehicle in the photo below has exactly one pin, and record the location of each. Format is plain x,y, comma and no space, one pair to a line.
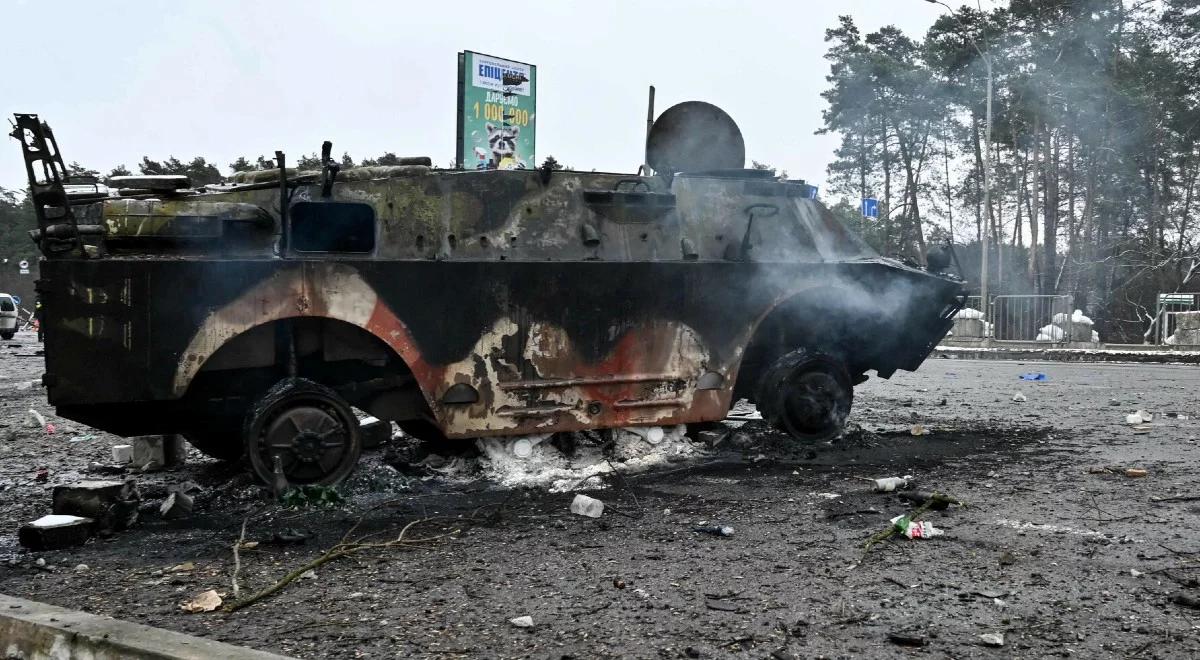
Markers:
252,316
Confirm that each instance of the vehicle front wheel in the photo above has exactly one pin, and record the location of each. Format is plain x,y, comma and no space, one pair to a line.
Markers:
807,394
309,427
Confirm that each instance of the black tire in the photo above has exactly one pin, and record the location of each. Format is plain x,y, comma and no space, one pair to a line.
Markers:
807,394
6,335
311,429
221,440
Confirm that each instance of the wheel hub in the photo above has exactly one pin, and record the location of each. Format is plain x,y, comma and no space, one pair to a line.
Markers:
812,401
308,440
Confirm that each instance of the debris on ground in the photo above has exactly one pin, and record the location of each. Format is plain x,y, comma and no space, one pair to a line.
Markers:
1018,398
712,438
915,529
937,501
992,639
55,531
177,505
1034,376
113,505
522,622
311,495
583,505
889,484
919,430
122,454
715,530
1136,472
1139,417
904,525
288,536
373,432
907,639
155,452
204,602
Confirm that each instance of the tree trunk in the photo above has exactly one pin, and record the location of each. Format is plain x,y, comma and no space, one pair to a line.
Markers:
1032,207
1050,223
887,187
978,179
949,197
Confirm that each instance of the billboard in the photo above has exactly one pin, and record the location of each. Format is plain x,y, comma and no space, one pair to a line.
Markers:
497,113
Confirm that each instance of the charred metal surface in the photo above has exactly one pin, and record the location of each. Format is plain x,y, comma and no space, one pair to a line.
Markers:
490,303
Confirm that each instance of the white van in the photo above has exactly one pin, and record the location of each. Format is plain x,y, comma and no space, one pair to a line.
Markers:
8,316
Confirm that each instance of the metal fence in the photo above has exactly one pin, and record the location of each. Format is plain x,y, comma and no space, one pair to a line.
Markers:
1170,304
1023,318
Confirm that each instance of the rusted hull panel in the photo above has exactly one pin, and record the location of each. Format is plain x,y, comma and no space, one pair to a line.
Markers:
552,346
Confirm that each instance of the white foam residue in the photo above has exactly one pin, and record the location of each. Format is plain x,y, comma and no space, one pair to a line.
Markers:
1021,525
549,468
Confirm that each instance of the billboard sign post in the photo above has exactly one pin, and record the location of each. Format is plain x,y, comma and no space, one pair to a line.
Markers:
497,113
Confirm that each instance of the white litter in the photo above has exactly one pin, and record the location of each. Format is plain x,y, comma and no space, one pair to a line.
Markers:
1139,417
583,505
56,520
992,639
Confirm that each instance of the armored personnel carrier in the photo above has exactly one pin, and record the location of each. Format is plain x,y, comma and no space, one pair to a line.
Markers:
252,316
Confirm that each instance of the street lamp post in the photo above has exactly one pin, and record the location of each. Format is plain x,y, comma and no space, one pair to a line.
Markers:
987,168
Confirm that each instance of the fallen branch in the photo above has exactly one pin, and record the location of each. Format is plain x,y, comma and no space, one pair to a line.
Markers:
341,549
237,557
1176,498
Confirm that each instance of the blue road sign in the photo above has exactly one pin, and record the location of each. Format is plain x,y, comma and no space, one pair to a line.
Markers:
870,208
812,192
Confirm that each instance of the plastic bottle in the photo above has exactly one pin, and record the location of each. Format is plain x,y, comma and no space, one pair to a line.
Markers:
888,484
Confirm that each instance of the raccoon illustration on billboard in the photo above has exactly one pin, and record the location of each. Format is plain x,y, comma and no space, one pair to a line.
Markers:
497,113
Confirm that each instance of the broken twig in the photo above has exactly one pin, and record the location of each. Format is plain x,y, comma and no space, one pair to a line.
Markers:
237,557
343,548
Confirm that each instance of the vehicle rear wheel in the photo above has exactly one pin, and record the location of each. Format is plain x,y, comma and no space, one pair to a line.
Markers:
309,427
807,394
6,335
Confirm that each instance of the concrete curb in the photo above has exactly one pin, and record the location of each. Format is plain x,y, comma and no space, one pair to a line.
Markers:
30,630
1067,355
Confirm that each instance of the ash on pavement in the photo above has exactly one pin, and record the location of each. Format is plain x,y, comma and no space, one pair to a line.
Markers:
1055,551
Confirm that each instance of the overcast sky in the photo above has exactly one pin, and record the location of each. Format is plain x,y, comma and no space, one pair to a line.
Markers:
221,79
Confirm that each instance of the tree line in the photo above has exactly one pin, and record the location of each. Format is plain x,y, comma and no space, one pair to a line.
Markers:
1096,115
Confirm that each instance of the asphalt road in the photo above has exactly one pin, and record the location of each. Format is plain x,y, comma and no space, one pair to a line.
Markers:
1060,555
